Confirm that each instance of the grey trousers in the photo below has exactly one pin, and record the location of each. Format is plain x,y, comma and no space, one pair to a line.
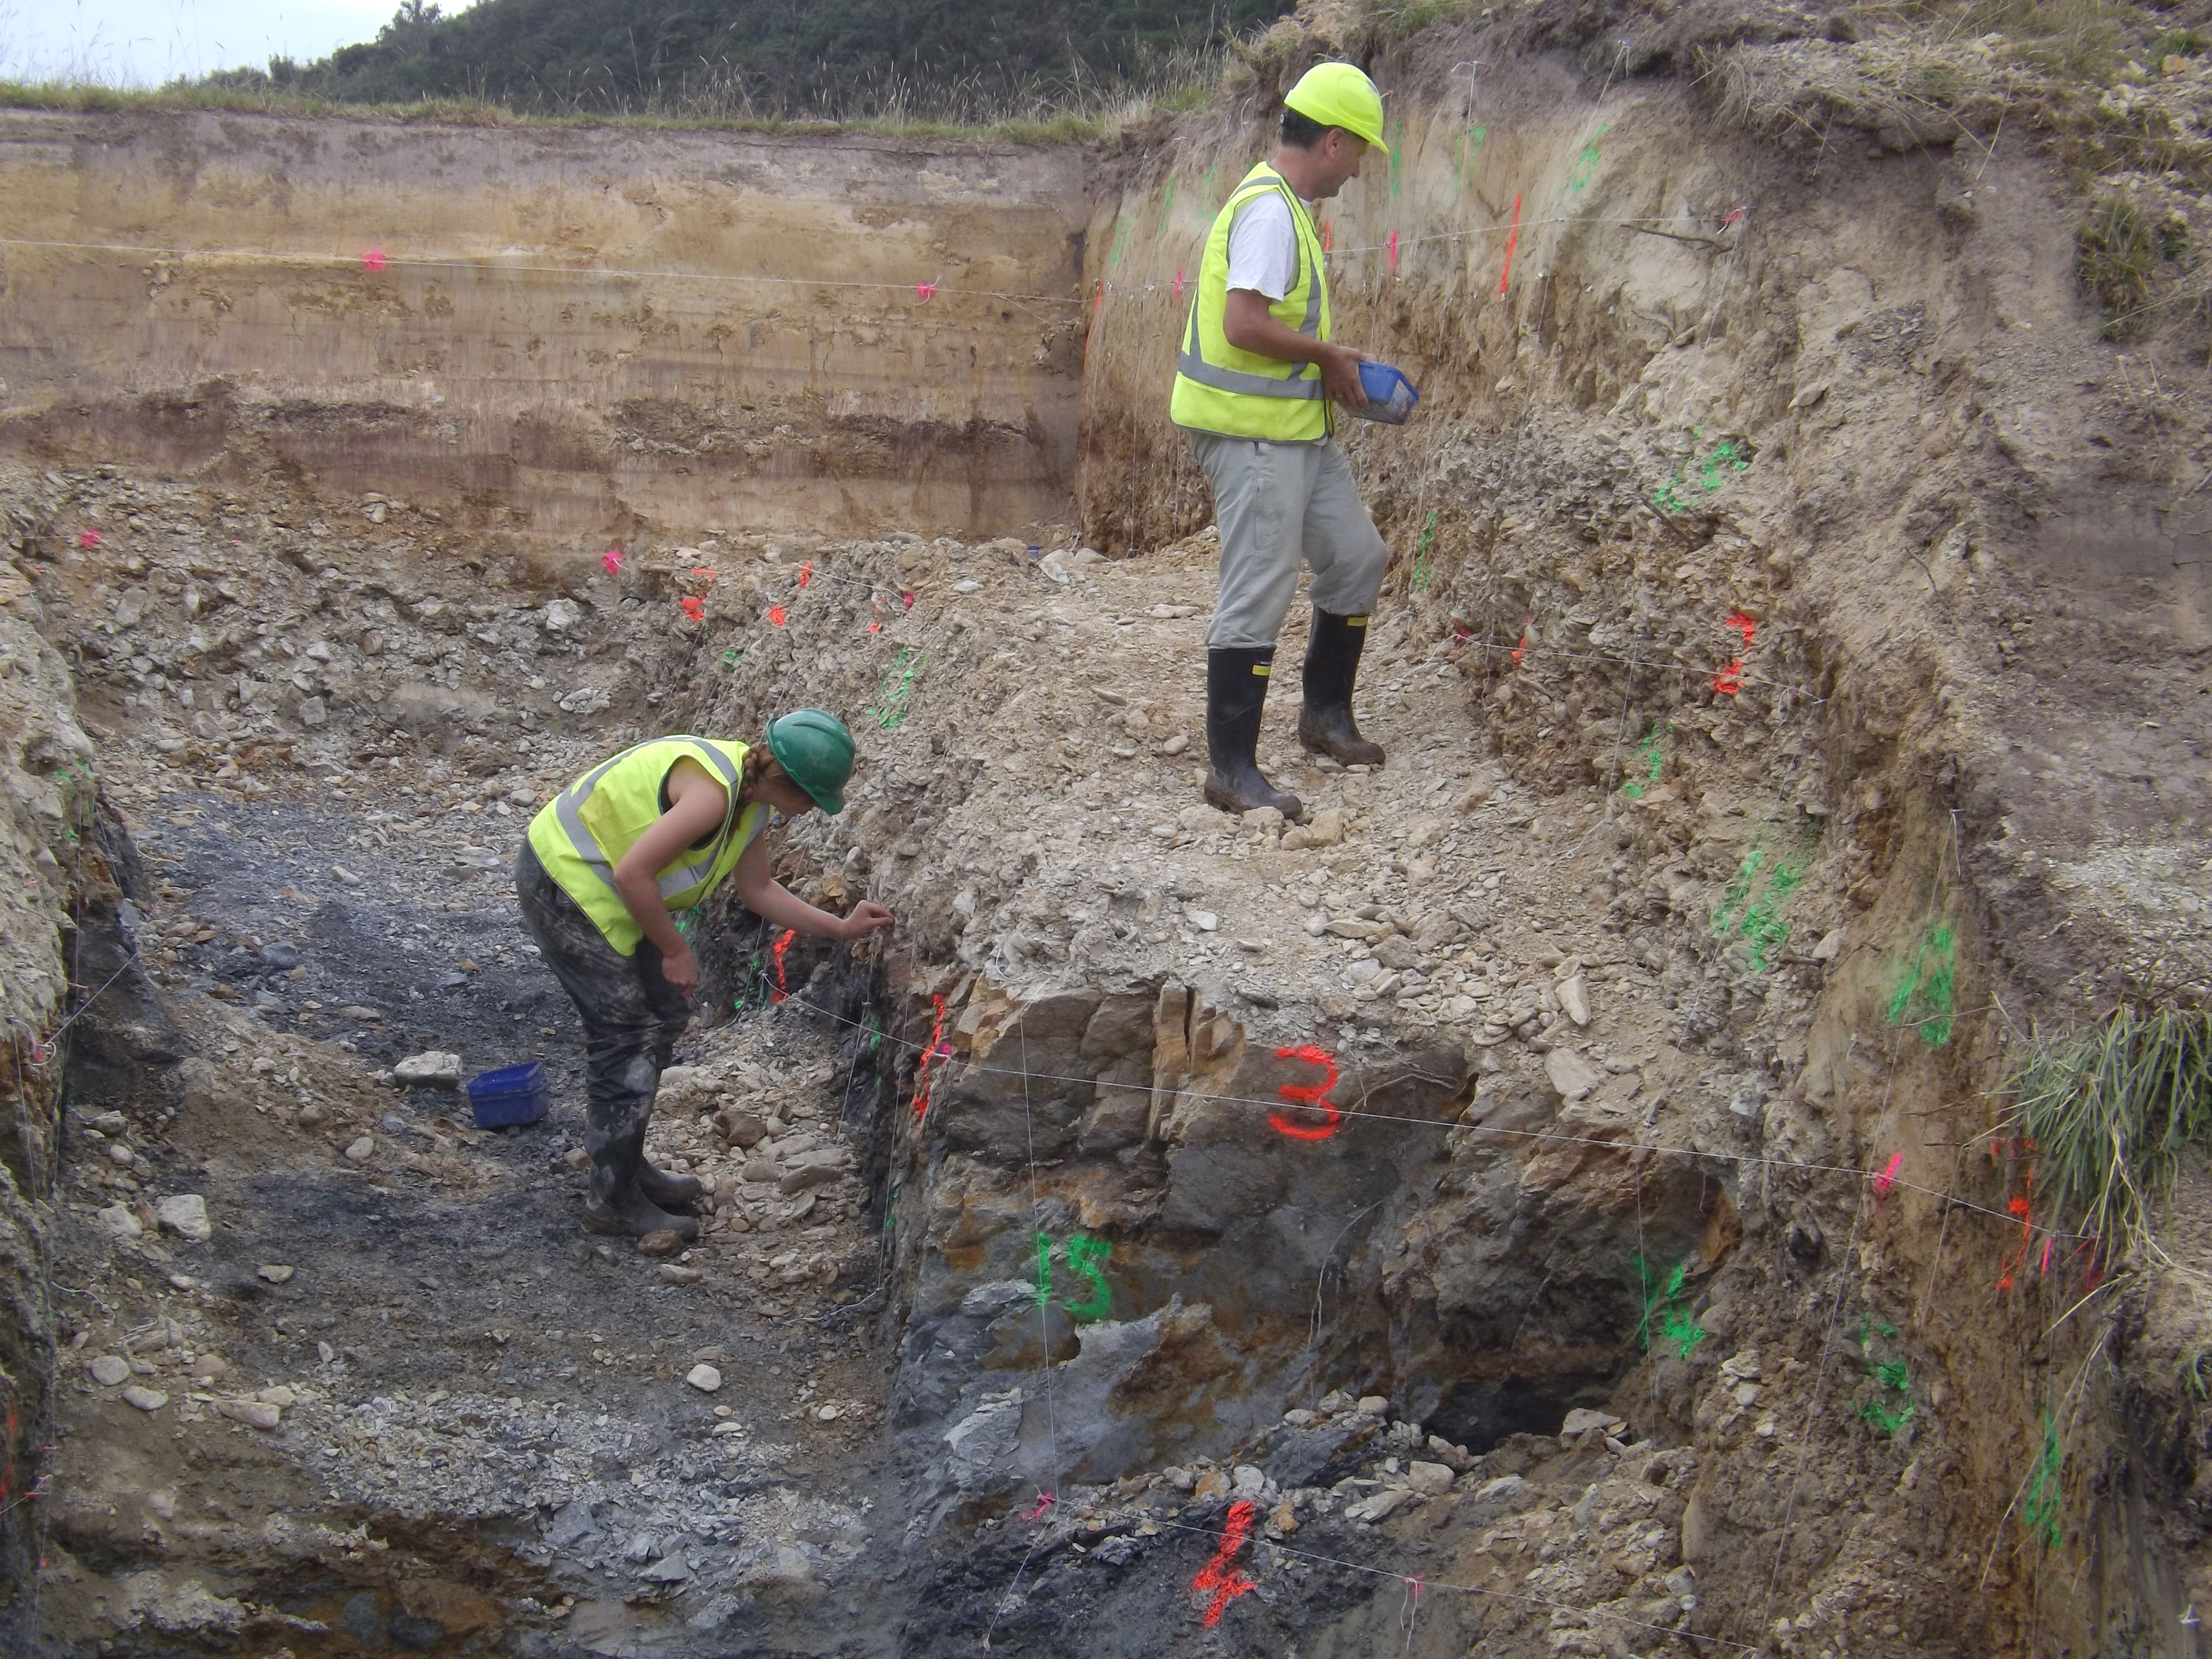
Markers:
1277,503
632,1015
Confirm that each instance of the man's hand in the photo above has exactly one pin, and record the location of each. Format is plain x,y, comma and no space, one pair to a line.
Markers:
867,917
681,970
1340,376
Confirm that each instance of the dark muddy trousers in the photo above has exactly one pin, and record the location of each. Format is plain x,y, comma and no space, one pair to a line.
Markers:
632,1018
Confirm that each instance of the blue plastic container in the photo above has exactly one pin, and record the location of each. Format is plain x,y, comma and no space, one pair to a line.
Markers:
1390,395
512,1094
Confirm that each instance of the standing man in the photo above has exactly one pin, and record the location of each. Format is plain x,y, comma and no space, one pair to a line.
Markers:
1254,388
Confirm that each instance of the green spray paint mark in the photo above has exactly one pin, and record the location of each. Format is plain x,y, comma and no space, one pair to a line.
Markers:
1893,1408
1756,910
1121,228
1167,198
732,657
1650,761
2039,1508
875,1034
1585,165
1397,158
1699,478
1465,149
1421,553
1212,173
1663,1314
1923,998
1086,1258
890,709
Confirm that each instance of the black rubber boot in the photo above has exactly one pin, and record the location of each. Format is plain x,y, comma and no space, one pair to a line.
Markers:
668,1190
1235,692
616,1204
1325,723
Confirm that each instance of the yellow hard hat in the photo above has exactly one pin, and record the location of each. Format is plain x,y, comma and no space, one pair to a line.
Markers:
1340,95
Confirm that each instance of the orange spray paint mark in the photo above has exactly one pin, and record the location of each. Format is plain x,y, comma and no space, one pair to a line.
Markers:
1521,649
922,1080
1744,625
1512,241
782,985
776,615
1218,1575
1730,680
1308,1094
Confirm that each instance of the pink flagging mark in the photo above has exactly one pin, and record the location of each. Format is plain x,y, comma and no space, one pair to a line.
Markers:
905,601
776,615
1393,247
1216,1575
1730,680
1744,625
1734,214
1512,241
88,540
925,290
612,559
1178,285
1044,1501
1887,1178
373,259
875,628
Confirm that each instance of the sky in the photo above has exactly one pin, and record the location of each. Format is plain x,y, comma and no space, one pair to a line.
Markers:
148,42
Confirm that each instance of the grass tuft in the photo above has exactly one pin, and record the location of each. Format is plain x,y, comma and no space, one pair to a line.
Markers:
2113,1112
2117,253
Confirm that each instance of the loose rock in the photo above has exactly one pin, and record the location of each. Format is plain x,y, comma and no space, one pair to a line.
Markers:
703,1377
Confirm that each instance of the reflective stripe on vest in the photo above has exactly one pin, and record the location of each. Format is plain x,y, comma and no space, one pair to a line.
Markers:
1220,387
582,834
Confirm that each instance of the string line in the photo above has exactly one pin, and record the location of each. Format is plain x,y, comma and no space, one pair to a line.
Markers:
1745,1161
492,264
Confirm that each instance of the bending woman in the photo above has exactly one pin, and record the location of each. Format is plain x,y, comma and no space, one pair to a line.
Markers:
653,830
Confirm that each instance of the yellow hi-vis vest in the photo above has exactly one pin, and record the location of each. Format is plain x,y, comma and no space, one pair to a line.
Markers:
582,834
1221,388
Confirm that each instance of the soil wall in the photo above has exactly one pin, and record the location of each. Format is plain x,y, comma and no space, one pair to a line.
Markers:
560,334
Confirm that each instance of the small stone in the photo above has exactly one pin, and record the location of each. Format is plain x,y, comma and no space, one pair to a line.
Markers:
805,1176
1262,819
1175,744
254,1414
277,1273
118,1221
577,1159
1570,1074
309,1115
1831,946
361,1150
662,1241
1205,920
1298,1417
1211,1484
1372,1405
1574,996
762,1170
1325,827
1247,1481
1429,1478
146,1400
674,1273
703,1377
120,1155
278,1395
1285,1519
109,1370
210,1369
669,1570
742,1130
829,1413
432,1068
1333,1402
1581,1420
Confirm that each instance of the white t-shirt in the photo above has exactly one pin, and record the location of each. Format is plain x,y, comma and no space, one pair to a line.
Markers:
1263,246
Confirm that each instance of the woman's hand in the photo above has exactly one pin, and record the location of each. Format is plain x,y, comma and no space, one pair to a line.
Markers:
681,969
867,917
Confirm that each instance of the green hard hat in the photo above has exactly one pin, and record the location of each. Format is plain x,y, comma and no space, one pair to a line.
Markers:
814,748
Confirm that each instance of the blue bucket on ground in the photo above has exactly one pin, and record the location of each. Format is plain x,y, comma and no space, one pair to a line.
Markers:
512,1094
1390,395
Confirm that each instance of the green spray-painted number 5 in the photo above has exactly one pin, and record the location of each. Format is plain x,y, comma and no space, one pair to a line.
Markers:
1086,1258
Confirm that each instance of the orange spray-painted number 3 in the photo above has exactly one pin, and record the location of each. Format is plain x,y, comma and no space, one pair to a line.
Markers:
1308,1094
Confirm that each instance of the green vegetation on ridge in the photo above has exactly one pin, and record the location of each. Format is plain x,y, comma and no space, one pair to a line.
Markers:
959,60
